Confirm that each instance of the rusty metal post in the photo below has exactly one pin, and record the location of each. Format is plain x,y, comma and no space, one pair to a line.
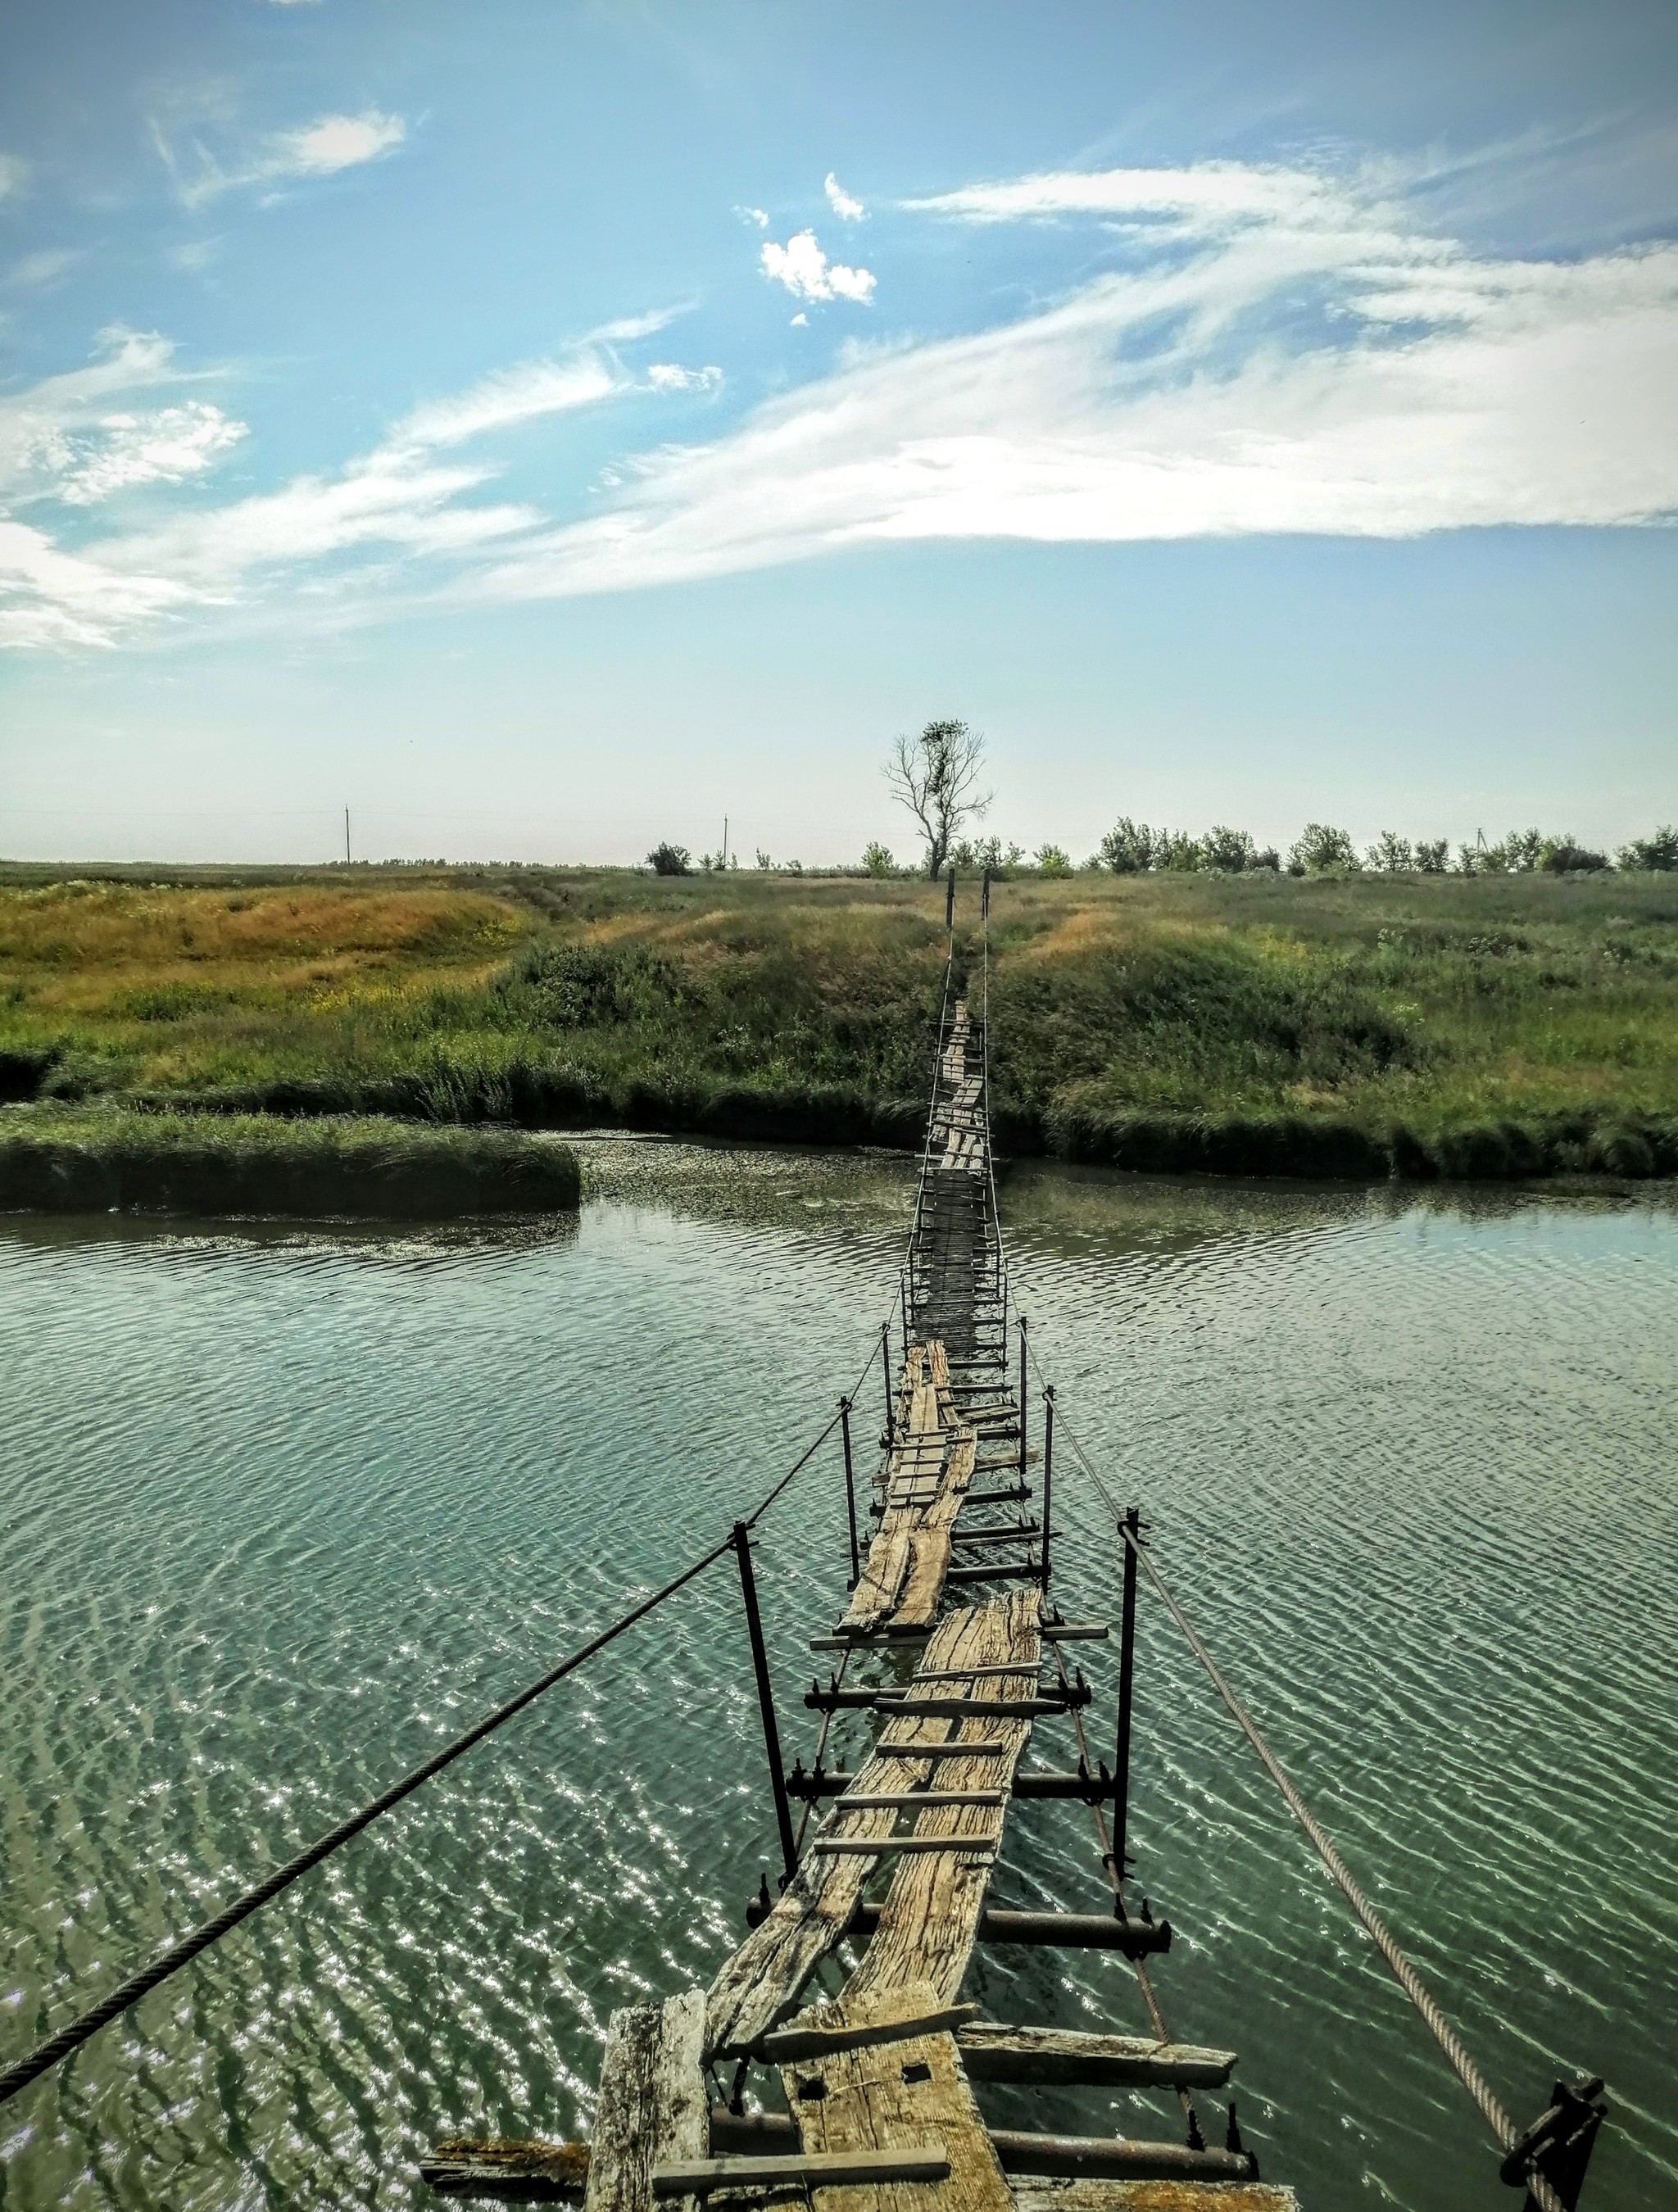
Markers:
1130,1528
1048,1474
903,1308
850,1489
885,1370
789,1858
1022,1397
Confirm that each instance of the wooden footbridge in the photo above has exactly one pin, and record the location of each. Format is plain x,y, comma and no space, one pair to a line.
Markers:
953,1654
953,1649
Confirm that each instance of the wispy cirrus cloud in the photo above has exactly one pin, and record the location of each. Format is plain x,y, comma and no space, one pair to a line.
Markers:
402,502
34,272
13,169
200,172
1279,352
807,274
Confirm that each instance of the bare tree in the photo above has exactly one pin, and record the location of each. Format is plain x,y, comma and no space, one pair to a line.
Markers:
936,776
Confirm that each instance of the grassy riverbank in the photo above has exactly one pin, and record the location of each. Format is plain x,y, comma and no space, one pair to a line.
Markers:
1482,1026
82,1160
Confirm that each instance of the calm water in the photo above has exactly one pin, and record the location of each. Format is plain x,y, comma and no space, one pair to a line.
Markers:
280,1510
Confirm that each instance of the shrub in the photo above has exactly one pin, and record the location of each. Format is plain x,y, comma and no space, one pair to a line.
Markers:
1659,853
1393,855
1128,847
1560,856
1321,850
668,859
877,858
1179,854
1053,861
1432,856
1228,852
595,985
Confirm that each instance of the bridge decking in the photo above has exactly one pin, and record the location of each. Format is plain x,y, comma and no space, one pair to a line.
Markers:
881,2113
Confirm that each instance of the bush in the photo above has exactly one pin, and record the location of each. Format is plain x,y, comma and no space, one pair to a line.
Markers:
877,858
594,985
1128,847
1321,850
1432,856
1228,852
1053,861
667,859
1658,852
1560,856
1393,855
1176,852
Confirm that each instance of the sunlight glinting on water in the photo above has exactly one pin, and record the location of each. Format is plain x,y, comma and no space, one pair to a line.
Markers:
284,1510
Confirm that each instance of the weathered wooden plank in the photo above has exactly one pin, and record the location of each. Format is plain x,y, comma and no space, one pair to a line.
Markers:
910,2093
513,2169
652,2106
923,1587
888,2025
929,1921
1048,2193
879,1847
854,1802
763,1977
823,2170
993,2052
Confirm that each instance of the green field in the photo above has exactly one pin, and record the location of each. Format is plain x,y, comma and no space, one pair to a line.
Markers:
1361,1025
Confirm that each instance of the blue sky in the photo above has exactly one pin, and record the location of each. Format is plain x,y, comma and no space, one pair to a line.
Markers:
544,428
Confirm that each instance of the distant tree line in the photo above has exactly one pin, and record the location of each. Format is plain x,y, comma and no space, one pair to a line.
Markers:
1133,848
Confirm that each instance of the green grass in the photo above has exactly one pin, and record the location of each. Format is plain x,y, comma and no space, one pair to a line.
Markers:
82,1160
1256,1024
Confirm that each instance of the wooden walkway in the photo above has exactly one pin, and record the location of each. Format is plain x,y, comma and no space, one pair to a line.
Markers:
892,1888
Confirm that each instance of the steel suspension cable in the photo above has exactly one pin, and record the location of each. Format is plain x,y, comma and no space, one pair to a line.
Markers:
1408,1979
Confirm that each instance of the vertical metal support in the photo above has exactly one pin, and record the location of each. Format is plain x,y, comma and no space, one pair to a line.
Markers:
1004,1273
984,895
885,1370
950,900
742,1540
1048,1474
1022,1397
903,1308
1130,1536
850,1489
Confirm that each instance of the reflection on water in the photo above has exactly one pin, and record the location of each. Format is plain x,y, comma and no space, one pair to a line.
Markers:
283,1509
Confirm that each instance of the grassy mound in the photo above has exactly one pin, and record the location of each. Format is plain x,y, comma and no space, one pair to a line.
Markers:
65,1161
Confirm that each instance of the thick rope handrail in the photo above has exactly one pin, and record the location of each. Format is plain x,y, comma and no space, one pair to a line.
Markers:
75,2033
1408,1979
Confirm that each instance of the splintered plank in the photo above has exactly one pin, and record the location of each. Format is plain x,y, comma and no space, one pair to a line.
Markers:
930,1538
903,2094
927,1477
763,1977
929,1921
1037,2192
992,2052
652,2105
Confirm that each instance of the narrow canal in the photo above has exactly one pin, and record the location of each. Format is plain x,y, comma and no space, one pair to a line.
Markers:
283,1509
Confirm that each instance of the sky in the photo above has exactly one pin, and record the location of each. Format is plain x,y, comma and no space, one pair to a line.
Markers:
545,428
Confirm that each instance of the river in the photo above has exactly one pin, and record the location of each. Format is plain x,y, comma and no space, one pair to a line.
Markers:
283,1509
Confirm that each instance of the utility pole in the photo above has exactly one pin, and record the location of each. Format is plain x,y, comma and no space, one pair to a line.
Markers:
346,836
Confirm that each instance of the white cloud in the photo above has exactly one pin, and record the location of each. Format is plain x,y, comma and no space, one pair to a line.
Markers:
668,376
510,396
1278,354
121,452
335,143
757,218
320,149
1209,194
36,270
805,271
52,597
800,321
13,169
847,209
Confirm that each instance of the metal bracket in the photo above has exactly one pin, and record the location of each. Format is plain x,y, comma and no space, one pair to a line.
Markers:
1558,2143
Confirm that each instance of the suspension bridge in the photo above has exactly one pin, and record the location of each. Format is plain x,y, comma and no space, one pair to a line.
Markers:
951,1645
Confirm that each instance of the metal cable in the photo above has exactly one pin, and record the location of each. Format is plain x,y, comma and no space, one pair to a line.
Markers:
1408,1979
